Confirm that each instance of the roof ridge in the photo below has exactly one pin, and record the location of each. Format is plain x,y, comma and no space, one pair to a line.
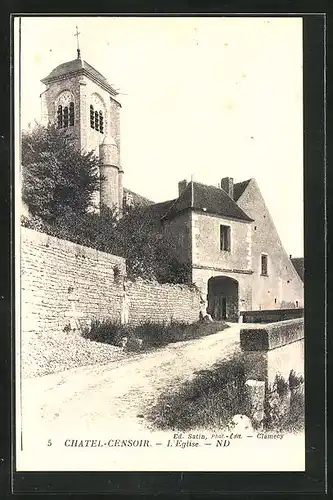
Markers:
177,199
242,182
91,66
232,199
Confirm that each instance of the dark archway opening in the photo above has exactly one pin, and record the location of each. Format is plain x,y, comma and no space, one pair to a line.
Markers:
223,298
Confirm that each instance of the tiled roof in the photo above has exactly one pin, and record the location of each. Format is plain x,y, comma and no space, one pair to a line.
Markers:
138,200
208,199
239,188
75,66
298,263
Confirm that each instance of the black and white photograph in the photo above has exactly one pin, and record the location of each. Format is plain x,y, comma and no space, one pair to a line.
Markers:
159,243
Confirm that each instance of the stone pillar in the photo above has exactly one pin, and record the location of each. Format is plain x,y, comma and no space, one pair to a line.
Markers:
271,352
255,390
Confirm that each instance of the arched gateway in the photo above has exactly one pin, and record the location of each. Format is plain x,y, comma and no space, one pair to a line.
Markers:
223,298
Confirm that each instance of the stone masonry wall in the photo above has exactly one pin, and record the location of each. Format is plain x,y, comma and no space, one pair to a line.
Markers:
58,276
152,301
62,281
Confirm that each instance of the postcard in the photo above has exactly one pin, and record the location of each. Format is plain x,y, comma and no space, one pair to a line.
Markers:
159,243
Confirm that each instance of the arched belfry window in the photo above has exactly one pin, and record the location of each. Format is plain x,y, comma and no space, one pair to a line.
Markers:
65,110
96,120
97,113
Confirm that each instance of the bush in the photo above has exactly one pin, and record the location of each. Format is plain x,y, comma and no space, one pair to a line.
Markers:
106,331
284,404
151,333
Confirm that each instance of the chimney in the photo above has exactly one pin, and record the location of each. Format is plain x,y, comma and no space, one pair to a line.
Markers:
181,186
227,184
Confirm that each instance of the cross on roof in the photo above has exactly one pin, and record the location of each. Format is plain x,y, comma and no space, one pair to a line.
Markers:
77,40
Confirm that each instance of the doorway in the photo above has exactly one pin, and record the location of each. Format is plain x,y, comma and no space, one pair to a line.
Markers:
223,298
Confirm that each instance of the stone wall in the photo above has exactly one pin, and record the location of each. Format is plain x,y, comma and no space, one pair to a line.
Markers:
271,315
152,301
59,278
273,349
63,283
273,357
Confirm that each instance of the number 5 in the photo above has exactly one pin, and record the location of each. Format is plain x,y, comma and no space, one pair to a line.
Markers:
49,443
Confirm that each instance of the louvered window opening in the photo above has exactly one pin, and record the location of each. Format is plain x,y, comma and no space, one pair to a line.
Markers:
96,120
65,116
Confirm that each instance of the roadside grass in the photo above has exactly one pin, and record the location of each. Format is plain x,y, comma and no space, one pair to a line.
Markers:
213,397
285,404
149,334
208,401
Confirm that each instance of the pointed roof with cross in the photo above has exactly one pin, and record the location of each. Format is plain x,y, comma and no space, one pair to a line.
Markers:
78,67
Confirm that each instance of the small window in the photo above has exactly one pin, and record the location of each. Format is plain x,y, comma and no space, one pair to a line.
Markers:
264,265
225,238
92,116
71,114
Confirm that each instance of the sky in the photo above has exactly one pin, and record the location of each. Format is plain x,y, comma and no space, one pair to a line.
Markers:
207,97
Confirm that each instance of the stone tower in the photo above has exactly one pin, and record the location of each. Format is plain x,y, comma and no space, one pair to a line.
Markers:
80,99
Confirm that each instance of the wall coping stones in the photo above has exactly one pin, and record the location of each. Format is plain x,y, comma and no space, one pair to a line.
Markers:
47,240
272,335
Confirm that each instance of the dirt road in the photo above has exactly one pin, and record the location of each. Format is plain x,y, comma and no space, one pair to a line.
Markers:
118,394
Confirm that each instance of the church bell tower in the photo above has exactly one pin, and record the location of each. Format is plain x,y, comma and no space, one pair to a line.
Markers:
80,99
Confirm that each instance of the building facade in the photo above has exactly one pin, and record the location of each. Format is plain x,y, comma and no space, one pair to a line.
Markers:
224,234
229,240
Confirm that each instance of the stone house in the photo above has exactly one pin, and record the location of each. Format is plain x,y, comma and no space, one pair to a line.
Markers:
228,238
225,234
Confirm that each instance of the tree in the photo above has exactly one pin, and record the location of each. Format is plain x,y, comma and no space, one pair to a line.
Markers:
56,176
58,184
150,251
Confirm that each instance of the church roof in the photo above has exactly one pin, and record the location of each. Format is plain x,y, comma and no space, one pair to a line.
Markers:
138,200
79,66
239,188
208,199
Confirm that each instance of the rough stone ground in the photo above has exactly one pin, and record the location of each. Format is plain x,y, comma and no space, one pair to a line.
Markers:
118,393
47,353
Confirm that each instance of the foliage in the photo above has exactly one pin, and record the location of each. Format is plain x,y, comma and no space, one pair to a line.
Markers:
105,331
56,176
207,401
58,186
151,333
284,404
150,252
